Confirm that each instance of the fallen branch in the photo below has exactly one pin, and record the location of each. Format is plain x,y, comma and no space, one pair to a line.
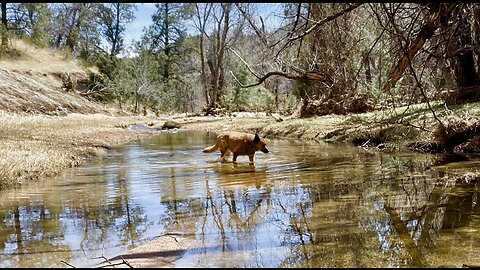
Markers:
245,63
123,262
307,76
67,264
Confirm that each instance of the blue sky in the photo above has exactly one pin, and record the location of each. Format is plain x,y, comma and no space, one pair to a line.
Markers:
143,18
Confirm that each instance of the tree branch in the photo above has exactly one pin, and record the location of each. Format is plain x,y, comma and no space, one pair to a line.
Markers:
307,76
290,33
425,33
244,62
255,28
327,19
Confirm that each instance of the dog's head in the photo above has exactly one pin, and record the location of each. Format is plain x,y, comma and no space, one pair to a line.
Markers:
260,144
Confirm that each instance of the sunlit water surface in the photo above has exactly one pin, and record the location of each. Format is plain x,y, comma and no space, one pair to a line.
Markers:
304,204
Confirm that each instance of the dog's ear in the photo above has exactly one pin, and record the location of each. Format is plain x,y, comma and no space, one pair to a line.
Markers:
257,138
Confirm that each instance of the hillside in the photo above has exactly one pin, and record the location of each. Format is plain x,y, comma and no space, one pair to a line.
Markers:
46,127
33,80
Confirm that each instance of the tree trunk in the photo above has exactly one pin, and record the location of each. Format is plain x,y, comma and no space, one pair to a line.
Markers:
166,71
216,57
202,22
368,72
464,61
117,30
464,65
426,32
74,27
4,23
137,97
203,70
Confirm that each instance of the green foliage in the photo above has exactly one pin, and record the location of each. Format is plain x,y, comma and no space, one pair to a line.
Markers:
101,83
5,36
113,18
302,88
248,99
108,65
256,98
237,100
40,24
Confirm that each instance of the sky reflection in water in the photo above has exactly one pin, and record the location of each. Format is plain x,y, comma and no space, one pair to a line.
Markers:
304,204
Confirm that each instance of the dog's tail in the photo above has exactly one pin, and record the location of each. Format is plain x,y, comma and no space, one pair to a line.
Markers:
210,149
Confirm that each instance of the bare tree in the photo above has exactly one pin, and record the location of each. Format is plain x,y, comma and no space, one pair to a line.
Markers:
4,24
215,59
202,16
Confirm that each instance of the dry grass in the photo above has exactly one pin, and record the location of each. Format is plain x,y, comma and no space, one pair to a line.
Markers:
27,57
31,81
33,147
21,93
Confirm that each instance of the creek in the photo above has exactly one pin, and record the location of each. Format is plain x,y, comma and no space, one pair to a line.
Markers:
304,204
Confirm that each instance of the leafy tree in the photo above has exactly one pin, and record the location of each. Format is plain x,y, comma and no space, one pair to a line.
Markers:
73,28
165,40
166,32
113,19
31,20
40,21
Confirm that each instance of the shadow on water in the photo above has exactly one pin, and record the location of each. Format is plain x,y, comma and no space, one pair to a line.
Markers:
301,205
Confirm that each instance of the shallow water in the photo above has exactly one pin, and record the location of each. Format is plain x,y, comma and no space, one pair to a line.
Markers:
304,204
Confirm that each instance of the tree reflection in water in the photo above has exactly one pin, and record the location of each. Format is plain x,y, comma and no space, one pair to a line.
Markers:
302,205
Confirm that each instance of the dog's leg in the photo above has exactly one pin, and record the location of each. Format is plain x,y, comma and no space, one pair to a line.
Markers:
222,155
250,157
235,158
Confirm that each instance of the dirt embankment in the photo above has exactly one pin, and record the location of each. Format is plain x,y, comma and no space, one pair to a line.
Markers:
451,130
37,80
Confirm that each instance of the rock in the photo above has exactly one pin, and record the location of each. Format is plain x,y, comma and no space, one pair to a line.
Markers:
169,124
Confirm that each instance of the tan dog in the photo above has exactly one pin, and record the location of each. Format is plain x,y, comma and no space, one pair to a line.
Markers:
239,143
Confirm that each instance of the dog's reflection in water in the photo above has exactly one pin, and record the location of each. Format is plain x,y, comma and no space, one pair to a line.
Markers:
240,175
